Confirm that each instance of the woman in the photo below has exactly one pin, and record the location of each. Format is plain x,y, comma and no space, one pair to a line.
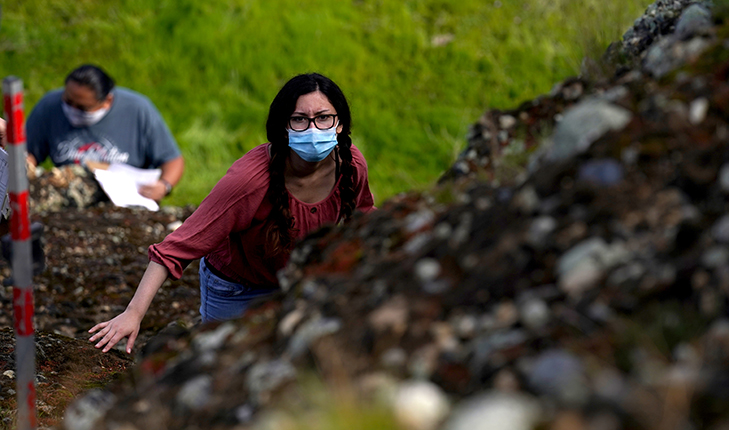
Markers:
243,231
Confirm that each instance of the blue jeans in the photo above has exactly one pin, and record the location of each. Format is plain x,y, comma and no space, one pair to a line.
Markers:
221,299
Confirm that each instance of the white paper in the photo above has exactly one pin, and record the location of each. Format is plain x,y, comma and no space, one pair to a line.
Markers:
121,183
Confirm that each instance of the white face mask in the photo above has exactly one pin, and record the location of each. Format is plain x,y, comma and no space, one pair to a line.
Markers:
79,118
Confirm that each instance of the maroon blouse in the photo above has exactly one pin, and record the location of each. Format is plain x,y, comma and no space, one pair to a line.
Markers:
228,227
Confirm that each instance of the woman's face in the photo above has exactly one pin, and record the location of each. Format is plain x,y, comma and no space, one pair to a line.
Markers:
313,105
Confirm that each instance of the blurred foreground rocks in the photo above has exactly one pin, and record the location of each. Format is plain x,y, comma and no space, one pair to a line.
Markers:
569,271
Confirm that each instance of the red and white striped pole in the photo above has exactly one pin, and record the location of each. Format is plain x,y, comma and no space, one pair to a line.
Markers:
23,308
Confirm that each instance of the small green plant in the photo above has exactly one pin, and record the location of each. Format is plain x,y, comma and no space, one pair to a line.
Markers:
323,407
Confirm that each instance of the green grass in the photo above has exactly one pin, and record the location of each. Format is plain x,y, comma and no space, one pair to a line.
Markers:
417,73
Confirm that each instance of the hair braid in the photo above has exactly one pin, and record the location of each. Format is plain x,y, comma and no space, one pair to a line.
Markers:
346,184
280,232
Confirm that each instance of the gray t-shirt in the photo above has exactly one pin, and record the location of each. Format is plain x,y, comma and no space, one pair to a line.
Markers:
132,132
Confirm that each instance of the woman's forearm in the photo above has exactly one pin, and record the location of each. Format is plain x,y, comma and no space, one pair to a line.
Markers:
151,282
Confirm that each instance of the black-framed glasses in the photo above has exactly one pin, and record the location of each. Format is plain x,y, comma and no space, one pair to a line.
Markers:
322,122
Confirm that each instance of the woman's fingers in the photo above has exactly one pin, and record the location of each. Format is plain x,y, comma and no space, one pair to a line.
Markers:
130,342
105,333
109,340
100,328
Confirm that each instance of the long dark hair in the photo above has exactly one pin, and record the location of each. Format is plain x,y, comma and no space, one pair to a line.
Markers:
282,230
93,77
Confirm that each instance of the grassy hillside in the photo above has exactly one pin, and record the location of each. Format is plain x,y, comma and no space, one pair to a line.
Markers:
417,72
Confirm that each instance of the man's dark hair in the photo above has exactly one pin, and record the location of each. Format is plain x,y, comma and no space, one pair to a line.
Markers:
93,77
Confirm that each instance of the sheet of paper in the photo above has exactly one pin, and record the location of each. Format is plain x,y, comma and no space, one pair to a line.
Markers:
121,182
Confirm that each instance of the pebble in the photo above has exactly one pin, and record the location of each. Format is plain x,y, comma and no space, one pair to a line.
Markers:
698,110
291,320
418,220
391,316
423,361
495,411
420,405
694,20
581,278
310,331
417,243
174,225
609,384
534,313
540,229
582,125
266,376
601,172
427,269
394,358
507,121
195,393
213,340
560,374
84,413
527,200
584,264
466,326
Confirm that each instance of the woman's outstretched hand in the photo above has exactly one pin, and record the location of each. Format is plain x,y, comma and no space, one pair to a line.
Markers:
109,333
126,324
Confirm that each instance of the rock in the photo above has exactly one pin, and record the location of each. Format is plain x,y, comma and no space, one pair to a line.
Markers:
581,126
420,405
86,413
495,411
559,374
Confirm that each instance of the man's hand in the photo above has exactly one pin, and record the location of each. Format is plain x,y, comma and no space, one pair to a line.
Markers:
155,191
3,133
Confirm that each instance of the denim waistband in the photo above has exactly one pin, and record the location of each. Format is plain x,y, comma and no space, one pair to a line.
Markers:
218,273
225,277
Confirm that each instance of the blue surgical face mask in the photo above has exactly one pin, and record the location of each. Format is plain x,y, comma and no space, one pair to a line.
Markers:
312,144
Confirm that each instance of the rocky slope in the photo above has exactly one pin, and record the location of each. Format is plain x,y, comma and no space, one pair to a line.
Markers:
570,271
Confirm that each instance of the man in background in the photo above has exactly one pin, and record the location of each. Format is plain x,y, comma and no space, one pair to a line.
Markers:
90,121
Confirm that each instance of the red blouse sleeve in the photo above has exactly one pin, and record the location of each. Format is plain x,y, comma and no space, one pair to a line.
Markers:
230,207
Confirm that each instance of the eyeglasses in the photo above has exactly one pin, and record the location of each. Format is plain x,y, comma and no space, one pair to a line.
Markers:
80,107
301,123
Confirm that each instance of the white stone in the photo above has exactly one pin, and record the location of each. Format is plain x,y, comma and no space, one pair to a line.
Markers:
427,269
496,411
85,413
698,110
195,394
174,225
507,121
420,405
215,339
534,313
581,278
